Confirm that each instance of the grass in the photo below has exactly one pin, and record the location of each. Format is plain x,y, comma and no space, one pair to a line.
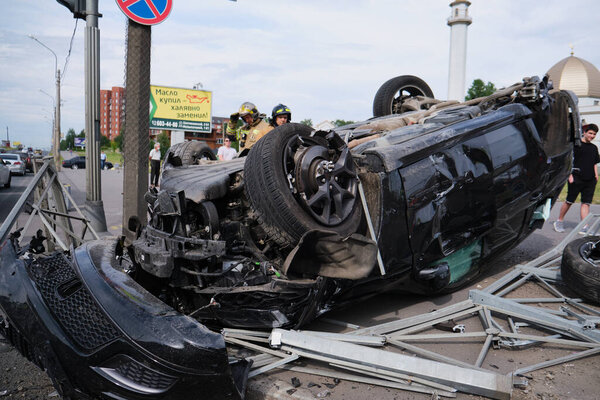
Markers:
596,200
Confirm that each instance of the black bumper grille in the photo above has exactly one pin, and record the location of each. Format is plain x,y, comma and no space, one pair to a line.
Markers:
143,376
70,302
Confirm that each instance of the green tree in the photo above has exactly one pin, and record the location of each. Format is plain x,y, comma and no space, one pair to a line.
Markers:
480,89
165,143
81,134
307,122
341,122
118,140
104,141
69,140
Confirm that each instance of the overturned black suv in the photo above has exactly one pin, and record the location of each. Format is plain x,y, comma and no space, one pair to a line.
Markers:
418,199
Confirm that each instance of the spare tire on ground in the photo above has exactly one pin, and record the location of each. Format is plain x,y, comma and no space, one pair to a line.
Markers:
394,92
580,267
297,183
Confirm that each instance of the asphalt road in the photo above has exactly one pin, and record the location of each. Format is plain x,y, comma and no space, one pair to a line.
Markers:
10,196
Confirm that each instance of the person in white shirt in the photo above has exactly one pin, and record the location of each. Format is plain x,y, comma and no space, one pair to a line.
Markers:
226,152
102,159
154,165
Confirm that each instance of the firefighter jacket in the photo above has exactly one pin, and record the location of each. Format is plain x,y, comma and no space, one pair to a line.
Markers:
248,134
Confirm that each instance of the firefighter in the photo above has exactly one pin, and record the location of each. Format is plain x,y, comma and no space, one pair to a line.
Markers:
253,129
281,115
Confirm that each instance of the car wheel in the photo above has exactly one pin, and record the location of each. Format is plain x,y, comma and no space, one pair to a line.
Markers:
7,184
297,183
580,267
188,153
392,94
74,166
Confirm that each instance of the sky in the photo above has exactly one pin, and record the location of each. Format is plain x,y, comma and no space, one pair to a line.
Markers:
325,59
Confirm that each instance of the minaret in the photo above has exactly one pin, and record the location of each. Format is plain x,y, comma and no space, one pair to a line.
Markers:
459,21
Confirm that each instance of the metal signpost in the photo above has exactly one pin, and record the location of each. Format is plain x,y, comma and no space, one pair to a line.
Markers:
88,10
93,204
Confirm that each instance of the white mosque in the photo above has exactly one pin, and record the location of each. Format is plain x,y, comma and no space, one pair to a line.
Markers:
583,78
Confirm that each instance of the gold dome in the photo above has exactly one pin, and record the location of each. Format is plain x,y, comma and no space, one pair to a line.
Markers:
576,74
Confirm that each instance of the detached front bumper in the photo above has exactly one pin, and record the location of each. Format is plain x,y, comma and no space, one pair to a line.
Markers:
98,334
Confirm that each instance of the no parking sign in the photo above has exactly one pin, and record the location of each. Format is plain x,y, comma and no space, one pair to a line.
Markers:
146,12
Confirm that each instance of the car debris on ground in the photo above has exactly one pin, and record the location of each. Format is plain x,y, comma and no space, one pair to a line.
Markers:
510,323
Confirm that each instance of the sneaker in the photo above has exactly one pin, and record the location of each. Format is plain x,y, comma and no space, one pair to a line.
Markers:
559,226
584,230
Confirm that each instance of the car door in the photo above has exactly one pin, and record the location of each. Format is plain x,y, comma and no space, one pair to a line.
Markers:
450,204
81,162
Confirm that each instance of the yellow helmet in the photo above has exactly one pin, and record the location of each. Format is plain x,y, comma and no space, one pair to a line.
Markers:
248,108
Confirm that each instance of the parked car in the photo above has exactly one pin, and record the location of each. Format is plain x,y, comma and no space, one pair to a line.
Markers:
420,201
5,175
74,163
14,162
79,162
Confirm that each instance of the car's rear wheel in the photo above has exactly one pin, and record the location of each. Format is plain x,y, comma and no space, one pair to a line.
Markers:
580,267
297,183
188,153
390,96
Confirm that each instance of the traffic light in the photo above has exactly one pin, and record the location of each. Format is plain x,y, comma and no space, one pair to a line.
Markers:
77,7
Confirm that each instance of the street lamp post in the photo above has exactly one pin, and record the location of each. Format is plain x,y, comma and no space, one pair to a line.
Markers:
56,136
53,112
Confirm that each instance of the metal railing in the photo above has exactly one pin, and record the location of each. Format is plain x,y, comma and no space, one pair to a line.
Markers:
50,207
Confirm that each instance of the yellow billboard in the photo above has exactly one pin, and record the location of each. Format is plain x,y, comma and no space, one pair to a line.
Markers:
180,109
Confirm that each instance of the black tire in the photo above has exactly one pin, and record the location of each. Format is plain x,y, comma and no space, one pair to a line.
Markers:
187,153
580,267
7,184
392,93
284,215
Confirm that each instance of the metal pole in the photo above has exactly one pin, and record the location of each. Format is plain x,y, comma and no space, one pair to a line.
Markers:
56,134
53,117
94,206
56,140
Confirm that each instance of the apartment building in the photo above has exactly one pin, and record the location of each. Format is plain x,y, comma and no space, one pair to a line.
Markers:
112,111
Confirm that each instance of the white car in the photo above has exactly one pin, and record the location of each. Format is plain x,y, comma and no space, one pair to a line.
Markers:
14,162
4,174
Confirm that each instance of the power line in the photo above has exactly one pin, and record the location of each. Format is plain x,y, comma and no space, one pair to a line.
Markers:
70,48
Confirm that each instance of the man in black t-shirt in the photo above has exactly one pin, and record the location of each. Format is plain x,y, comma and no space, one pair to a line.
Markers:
583,178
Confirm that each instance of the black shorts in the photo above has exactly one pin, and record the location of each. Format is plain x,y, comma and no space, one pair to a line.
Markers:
586,188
